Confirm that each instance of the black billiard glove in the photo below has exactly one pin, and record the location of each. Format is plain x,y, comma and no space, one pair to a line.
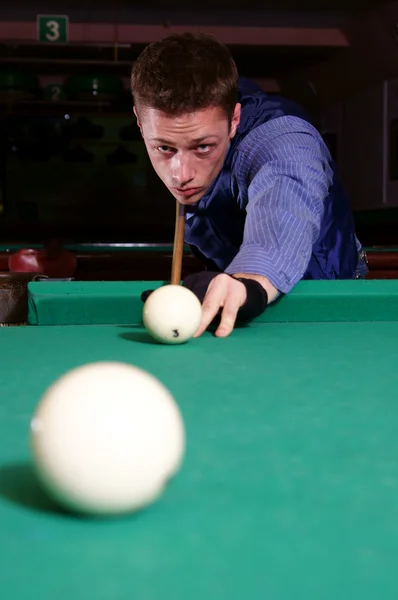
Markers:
196,282
256,296
256,300
145,295
199,282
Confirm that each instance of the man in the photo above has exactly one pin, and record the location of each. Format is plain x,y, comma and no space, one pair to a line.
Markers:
265,208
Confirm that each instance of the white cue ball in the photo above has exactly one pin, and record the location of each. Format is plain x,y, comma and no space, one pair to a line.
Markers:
172,314
106,438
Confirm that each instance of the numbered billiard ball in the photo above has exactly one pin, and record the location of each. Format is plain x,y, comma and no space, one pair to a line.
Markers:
172,314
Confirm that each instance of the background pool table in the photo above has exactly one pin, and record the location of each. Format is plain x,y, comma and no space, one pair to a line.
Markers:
148,261
116,261
289,487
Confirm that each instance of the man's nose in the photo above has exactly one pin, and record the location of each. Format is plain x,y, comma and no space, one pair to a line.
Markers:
182,170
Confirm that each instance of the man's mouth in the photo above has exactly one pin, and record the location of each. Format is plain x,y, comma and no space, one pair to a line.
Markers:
187,192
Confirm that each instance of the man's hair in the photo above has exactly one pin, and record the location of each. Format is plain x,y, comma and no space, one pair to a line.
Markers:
185,73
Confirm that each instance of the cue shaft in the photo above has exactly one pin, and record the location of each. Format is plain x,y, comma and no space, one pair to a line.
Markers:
178,247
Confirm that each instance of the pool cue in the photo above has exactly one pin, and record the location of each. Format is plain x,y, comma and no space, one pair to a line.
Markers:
178,247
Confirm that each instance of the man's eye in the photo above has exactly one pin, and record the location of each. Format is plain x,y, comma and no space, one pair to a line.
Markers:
204,148
164,149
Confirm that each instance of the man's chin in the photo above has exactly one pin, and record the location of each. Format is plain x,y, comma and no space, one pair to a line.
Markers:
188,200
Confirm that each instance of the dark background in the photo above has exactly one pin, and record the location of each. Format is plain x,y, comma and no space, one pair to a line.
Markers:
72,164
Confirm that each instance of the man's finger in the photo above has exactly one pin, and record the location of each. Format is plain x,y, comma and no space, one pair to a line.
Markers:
228,318
210,307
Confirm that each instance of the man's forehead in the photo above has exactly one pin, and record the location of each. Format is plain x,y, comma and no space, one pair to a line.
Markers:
192,129
206,115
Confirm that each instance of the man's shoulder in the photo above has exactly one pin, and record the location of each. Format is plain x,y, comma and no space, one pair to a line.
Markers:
275,130
276,139
268,115
256,103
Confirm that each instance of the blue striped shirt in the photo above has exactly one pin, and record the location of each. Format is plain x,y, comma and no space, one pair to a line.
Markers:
283,177
294,220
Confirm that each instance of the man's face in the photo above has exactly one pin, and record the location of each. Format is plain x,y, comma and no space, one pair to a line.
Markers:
188,151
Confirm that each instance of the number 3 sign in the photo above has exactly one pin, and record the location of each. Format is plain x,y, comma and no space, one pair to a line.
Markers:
52,28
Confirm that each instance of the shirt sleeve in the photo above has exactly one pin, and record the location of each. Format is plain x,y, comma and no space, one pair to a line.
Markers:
286,169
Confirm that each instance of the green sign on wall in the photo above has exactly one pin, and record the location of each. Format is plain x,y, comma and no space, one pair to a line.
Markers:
52,28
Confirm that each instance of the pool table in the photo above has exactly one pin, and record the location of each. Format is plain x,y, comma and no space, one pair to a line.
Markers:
289,487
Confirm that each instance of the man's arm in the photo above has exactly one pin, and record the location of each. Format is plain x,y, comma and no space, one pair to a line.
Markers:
289,174
289,177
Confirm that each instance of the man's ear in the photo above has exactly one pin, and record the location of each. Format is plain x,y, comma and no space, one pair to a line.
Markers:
235,119
136,115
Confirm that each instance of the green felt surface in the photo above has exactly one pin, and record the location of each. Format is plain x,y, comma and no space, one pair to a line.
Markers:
110,302
289,488
86,302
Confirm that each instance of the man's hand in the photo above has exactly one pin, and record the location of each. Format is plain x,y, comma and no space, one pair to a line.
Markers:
226,293
219,292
